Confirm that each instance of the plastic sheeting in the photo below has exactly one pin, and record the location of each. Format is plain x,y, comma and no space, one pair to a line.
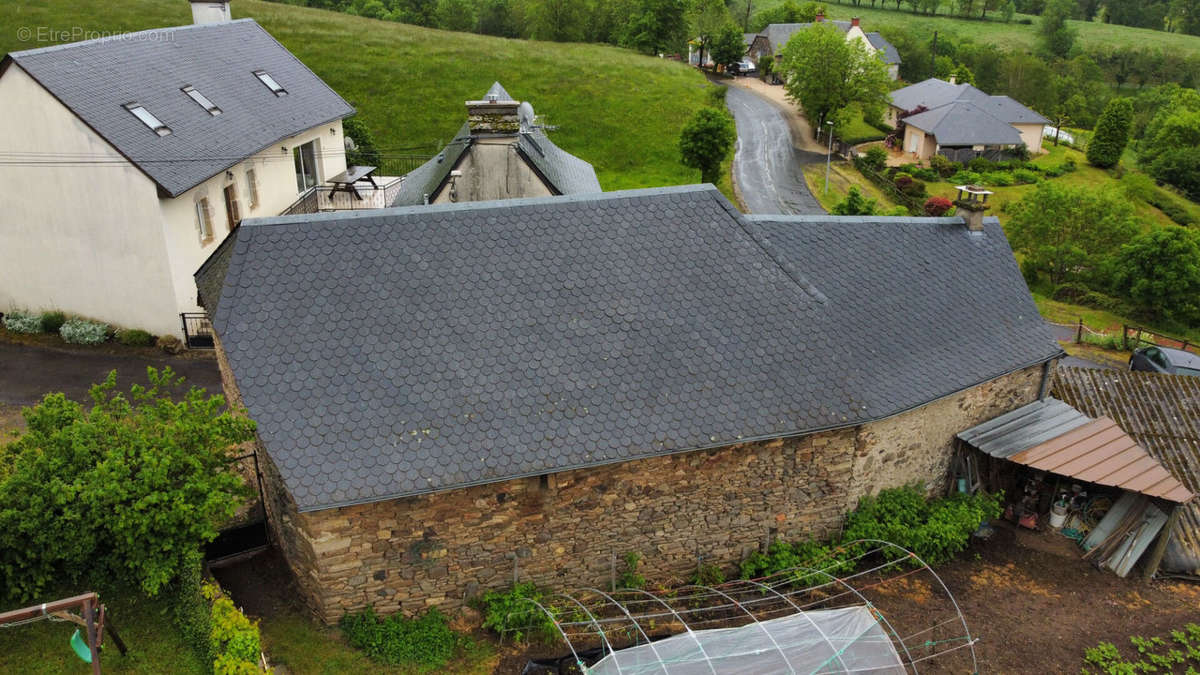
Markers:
842,640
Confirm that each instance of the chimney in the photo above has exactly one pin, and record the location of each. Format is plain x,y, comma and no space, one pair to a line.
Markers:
210,11
971,203
953,79
854,22
493,116
820,17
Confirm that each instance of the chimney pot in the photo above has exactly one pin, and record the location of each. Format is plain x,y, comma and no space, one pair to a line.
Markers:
971,203
820,17
210,11
953,79
854,21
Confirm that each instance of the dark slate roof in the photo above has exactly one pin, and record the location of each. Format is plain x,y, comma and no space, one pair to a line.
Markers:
402,351
934,93
748,38
499,92
890,54
425,180
96,78
566,173
961,123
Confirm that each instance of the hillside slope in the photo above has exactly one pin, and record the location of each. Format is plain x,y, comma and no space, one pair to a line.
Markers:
617,109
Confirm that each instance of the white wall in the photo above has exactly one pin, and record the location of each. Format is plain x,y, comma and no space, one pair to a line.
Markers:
87,239
276,176
1031,136
96,240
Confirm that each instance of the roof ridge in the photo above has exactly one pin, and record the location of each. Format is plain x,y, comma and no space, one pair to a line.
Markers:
130,35
477,206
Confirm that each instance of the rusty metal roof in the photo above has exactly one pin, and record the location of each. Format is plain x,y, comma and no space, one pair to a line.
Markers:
1161,412
1053,436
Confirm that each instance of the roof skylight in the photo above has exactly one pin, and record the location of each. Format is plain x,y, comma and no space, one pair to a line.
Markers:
274,86
202,100
148,119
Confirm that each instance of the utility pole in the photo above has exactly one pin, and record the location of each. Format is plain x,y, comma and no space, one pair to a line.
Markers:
828,153
933,56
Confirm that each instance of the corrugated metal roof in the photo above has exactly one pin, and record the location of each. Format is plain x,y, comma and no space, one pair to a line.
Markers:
1053,436
1160,411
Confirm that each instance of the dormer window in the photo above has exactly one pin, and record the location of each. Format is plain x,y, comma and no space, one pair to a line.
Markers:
266,79
148,119
202,100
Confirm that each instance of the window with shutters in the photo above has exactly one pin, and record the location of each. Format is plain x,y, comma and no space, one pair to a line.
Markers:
204,221
251,188
232,216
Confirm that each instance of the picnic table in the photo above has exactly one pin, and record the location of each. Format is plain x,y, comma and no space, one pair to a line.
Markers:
346,180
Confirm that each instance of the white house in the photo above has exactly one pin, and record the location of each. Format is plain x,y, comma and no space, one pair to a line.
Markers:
130,158
774,37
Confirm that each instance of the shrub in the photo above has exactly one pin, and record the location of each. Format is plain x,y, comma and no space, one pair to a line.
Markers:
935,529
708,574
630,577
1021,153
1103,340
234,640
512,613
170,344
426,641
855,204
902,179
981,165
1071,291
134,337
914,188
926,174
1026,176
716,96
875,158
23,322
805,557
937,206
998,179
82,332
944,166
53,321
966,178
897,211
191,612
160,470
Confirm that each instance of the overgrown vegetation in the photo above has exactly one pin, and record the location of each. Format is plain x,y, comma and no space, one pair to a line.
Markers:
426,641
1178,653
130,488
234,641
515,613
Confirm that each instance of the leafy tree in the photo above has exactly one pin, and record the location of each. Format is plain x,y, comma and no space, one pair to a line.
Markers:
1070,233
364,152
1057,37
706,141
1112,134
963,75
1180,167
498,17
825,74
1159,271
556,20
456,15
131,488
728,46
1171,149
658,26
708,18
855,204
789,11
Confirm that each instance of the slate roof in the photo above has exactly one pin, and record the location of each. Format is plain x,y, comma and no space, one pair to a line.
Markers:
778,34
566,173
891,55
934,93
961,123
401,351
96,78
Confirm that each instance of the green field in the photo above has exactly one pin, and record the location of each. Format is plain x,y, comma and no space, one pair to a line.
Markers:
1013,35
617,109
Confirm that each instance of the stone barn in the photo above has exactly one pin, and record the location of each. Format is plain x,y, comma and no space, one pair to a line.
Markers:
450,397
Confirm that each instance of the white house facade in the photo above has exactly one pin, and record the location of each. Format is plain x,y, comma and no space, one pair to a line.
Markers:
122,182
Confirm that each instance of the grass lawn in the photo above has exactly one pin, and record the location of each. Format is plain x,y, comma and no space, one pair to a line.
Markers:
617,109
155,646
842,175
1013,35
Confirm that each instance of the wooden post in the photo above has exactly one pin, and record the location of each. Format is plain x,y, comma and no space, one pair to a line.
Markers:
1079,332
1160,544
89,615
1125,337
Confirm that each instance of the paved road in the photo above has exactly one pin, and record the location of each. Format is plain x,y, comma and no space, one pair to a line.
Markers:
27,372
766,167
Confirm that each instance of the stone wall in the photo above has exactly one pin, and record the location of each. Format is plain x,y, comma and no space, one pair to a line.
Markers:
572,528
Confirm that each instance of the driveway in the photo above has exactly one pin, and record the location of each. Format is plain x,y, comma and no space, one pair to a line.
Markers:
767,167
1067,334
28,372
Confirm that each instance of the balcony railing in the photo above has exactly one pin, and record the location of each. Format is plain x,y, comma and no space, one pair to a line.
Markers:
324,198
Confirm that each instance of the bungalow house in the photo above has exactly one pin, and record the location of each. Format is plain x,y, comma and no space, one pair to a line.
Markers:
501,152
962,122
454,396
130,158
775,37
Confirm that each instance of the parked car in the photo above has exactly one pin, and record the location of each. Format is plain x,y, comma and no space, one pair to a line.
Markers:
746,67
1165,360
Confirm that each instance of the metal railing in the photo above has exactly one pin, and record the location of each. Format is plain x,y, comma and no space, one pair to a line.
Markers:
326,198
197,330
